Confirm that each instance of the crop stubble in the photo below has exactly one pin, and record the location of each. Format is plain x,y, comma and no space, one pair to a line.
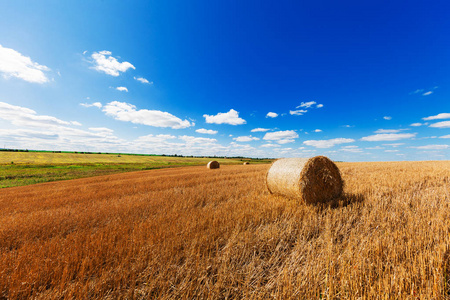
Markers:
193,232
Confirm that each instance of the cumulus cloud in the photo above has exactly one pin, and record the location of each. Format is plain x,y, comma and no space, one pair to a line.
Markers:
102,129
14,64
271,115
328,143
318,130
281,137
433,147
122,89
27,134
245,138
126,112
22,116
388,137
389,130
143,80
104,62
270,146
375,148
443,124
438,117
352,149
445,136
299,112
259,130
319,105
307,104
427,93
387,117
395,145
155,138
416,124
49,132
196,140
231,117
95,104
206,131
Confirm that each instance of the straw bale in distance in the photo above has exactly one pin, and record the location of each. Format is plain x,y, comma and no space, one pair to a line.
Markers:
312,180
246,163
213,165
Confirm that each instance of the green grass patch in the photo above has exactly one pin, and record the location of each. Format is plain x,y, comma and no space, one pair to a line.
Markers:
37,167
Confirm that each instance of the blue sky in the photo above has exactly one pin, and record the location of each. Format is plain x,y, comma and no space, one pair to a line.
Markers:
351,80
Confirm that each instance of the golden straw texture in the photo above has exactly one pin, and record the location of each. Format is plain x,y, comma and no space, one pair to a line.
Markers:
312,180
213,165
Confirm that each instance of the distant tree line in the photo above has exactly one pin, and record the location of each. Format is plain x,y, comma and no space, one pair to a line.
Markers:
167,155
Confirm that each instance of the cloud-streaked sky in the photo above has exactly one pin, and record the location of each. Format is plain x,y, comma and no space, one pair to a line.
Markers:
351,80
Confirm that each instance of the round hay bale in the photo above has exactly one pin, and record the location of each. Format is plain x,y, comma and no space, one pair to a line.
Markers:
246,163
213,165
312,180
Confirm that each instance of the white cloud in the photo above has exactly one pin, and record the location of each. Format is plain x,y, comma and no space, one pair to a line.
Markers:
352,149
445,136
102,129
104,62
437,117
14,64
155,138
271,115
270,146
197,140
388,137
299,112
126,112
387,118
259,130
395,145
444,124
281,137
388,130
27,134
122,89
21,116
285,141
318,130
433,147
374,148
143,80
307,104
231,117
391,151
75,123
416,91
427,93
206,131
95,104
245,138
416,124
52,133
319,105
327,143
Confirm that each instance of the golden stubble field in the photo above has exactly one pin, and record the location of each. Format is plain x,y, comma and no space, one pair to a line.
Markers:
190,232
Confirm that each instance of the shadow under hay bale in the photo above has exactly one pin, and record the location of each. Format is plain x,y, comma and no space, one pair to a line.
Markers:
344,200
213,165
312,180
246,163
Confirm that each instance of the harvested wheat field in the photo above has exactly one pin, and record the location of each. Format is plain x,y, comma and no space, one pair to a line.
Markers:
191,233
